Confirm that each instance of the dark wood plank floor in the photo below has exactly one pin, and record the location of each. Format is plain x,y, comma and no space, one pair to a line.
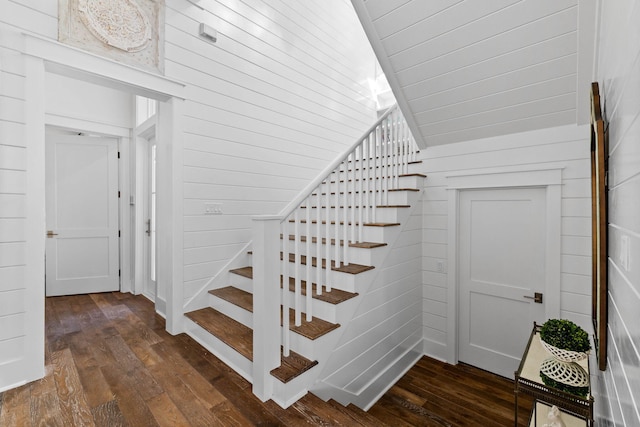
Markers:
109,362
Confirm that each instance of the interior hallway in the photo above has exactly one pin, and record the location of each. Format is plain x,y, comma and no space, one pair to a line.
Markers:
110,362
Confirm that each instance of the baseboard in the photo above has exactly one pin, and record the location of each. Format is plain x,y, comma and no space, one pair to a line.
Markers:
385,381
435,350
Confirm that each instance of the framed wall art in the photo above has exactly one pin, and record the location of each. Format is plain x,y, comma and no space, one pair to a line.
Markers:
599,156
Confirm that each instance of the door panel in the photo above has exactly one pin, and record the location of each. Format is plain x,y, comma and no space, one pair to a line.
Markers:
502,244
81,215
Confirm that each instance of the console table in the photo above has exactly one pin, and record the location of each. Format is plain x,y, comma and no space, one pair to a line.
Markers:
528,381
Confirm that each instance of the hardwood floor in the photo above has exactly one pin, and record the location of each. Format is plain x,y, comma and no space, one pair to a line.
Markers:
109,362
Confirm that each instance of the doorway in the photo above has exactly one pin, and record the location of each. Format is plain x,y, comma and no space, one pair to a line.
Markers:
501,253
82,245
150,242
504,252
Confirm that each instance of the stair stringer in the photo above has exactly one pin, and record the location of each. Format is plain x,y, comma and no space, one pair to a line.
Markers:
374,349
322,349
220,280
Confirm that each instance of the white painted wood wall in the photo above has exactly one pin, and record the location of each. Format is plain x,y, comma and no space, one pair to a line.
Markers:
282,92
618,73
383,339
566,146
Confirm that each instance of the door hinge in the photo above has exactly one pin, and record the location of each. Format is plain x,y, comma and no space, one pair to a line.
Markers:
118,154
119,273
118,233
118,194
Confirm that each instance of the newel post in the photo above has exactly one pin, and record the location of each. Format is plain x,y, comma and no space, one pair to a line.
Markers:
266,303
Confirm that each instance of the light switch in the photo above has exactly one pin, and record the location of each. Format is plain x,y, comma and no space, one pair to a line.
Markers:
213,208
624,252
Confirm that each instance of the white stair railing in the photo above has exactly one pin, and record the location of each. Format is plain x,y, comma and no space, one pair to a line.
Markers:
318,226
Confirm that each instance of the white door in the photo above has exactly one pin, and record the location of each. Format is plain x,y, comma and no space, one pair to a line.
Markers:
502,244
150,283
82,215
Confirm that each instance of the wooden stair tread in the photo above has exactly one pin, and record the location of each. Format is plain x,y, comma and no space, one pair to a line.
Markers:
243,271
421,175
313,329
367,224
333,193
344,268
292,366
377,206
235,296
227,330
335,296
240,338
366,245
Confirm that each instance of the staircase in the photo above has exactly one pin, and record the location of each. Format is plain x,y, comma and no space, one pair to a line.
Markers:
276,314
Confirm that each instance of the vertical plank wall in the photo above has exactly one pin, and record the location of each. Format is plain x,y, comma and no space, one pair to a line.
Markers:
618,73
281,93
566,146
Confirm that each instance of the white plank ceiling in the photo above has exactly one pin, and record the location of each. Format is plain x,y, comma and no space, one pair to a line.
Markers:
465,70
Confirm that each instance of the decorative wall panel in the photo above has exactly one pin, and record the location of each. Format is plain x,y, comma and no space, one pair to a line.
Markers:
129,31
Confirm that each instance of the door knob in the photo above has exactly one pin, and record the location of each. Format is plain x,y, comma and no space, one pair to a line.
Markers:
537,297
50,234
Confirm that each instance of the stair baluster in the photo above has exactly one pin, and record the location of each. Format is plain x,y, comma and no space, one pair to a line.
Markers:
344,198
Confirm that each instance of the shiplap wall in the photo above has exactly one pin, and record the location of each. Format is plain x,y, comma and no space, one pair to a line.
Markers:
282,92
386,324
13,214
618,73
566,146
465,70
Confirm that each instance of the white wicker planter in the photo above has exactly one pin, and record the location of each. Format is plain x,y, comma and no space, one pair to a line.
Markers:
564,355
569,373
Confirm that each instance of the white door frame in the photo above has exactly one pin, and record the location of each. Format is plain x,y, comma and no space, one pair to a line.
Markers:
44,55
142,135
507,177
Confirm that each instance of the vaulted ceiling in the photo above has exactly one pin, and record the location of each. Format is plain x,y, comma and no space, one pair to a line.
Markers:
470,69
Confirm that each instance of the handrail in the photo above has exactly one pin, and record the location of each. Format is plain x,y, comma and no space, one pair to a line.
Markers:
310,241
306,191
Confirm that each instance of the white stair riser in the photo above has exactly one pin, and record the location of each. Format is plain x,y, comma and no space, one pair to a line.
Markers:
320,309
241,282
339,280
334,313
228,355
369,233
310,349
231,310
412,181
355,255
394,198
382,214
372,169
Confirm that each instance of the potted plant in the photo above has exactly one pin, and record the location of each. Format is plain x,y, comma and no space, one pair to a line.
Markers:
565,340
568,344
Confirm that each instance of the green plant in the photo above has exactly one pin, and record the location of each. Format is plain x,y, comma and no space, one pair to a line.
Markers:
565,335
579,391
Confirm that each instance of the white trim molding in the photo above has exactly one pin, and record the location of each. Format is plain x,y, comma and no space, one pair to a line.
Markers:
72,62
505,177
45,55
